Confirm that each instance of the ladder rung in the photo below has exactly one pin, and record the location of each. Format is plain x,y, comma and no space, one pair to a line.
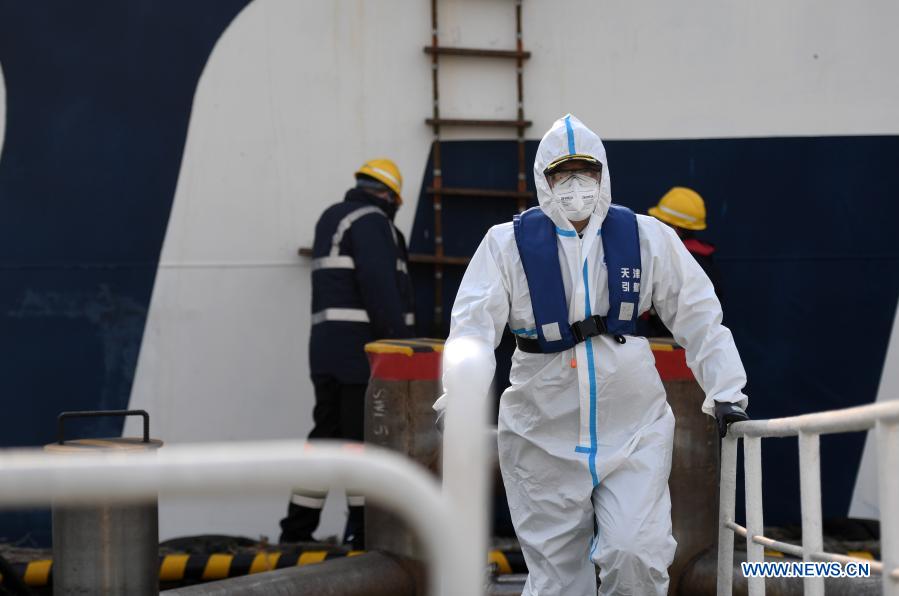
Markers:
480,192
435,260
462,122
476,52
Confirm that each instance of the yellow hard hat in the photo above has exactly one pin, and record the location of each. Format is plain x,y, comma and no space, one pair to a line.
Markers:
681,207
384,171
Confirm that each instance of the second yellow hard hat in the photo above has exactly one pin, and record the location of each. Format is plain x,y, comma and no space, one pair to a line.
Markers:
681,207
384,171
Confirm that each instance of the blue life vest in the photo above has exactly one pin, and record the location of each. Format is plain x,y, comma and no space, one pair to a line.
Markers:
535,235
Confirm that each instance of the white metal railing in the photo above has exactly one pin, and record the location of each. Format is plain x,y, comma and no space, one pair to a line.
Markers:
452,523
883,417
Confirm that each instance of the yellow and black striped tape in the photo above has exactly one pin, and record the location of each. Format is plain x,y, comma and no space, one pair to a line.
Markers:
183,567
178,568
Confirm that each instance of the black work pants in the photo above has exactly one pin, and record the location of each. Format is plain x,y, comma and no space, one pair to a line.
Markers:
338,414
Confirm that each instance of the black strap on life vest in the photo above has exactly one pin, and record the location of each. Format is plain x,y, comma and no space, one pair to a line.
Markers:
582,330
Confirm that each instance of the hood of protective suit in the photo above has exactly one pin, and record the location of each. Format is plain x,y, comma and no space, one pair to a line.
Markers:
567,136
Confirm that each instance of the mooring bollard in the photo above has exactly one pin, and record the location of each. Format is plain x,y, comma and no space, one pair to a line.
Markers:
105,548
405,382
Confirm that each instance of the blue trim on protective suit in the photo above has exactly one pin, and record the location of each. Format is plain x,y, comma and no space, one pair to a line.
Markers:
568,233
525,331
591,371
571,150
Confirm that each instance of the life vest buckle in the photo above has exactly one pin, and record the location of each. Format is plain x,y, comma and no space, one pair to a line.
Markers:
589,327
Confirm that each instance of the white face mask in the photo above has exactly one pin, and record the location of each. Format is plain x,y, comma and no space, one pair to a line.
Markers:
577,196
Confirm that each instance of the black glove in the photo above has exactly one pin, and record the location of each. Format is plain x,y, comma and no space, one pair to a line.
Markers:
725,413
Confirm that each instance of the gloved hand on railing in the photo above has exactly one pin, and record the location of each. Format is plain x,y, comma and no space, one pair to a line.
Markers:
726,413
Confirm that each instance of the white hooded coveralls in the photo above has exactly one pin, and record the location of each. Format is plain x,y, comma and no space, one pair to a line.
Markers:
592,442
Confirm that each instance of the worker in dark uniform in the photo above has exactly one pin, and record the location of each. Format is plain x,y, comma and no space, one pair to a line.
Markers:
684,210
360,292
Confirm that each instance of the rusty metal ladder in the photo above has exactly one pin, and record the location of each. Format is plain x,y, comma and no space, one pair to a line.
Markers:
437,190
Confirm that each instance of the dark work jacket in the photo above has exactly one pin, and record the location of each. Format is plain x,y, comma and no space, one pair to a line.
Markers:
361,289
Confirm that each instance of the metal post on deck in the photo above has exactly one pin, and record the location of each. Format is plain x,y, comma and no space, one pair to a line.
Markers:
810,495
887,432
726,512
755,525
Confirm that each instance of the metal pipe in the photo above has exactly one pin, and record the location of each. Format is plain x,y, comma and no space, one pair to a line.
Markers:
783,547
752,455
876,566
728,491
30,477
833,421
810,499
371,574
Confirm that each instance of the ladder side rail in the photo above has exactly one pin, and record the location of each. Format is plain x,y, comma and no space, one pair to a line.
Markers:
437,173
519,77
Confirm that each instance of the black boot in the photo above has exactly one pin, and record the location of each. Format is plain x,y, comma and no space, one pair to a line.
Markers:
299,524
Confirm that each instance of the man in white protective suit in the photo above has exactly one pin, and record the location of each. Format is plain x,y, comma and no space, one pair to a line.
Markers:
585,431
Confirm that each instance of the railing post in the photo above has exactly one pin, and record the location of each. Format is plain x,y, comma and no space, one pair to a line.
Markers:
726,505
888,481
755,525
810,494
